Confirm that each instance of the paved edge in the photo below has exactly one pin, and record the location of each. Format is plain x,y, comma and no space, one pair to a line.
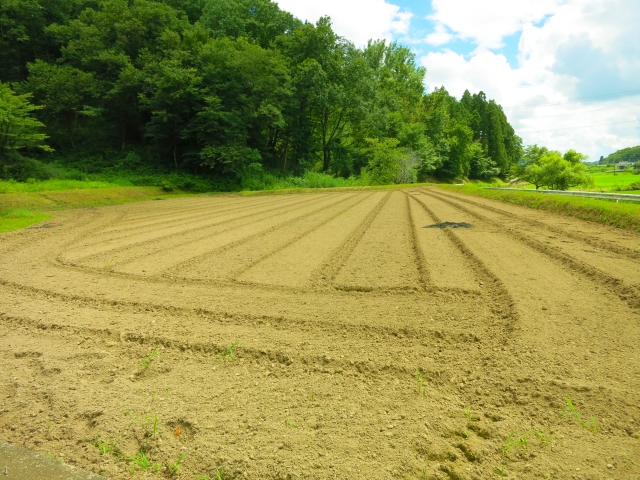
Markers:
17,463
628,197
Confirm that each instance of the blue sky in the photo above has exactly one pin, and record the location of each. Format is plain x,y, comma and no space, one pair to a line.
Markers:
567,72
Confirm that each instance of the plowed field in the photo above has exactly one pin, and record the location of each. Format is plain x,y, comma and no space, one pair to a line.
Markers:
369,346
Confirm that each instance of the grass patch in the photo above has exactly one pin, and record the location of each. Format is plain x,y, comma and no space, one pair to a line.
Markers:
16,218
622,215
52,186
142,461
22,209
620,182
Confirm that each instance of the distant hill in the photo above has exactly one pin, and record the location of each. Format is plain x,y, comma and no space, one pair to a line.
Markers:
631,154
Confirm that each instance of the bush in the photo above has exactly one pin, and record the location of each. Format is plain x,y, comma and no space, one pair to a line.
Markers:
167,186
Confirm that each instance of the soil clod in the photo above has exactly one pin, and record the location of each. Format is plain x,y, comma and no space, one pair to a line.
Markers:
443,225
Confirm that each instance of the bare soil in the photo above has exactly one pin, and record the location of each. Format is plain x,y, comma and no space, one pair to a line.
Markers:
370,347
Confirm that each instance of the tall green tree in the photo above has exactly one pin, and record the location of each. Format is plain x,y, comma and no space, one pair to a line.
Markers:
19,129
557,173
67,93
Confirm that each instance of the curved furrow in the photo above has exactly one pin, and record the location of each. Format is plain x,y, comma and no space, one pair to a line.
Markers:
129,229
630,293
300,233
177,236
581,236
193,252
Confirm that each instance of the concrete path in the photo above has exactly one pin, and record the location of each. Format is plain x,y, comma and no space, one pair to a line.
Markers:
18,463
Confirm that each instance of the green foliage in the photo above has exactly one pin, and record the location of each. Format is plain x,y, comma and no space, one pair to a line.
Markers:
514,441
422,390
558,173
384,160
142,461
135,90
622,215
174,468
574,157
631,154
144,364
18,128
106,446
570,410
229,353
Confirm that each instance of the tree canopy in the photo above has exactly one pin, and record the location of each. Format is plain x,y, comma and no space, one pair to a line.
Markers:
18,127
214,86
631,154
557,171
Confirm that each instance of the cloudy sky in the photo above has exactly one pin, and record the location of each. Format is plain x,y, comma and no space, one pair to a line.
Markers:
567,72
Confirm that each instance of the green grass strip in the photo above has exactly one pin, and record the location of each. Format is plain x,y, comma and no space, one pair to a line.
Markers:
16,218
625,215
22,209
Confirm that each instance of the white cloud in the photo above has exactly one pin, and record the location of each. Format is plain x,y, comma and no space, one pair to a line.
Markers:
356,20
440,36
487,22
586,50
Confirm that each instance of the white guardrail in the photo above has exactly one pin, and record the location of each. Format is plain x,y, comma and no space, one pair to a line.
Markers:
627,197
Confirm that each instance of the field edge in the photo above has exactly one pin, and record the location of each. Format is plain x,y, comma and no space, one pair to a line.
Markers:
625,216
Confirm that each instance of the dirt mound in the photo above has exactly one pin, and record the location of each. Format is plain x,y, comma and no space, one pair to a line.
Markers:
443,225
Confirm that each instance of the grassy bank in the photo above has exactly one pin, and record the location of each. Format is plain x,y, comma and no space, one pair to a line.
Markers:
621,215
24,208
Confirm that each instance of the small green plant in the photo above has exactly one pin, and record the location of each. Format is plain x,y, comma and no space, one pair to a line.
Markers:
174,468
570,410
219,475
154,426
289,423
513,441
500,472
143,462
470,416
543,438
422,389
53,457
109,264
105,446
229,353
144,364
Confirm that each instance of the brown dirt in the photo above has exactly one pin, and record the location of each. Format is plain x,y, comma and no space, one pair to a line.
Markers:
338,299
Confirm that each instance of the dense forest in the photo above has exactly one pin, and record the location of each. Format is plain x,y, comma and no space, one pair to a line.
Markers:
228,89
631,154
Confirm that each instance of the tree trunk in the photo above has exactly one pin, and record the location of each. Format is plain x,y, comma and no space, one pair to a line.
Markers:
124,133
286,153
175,157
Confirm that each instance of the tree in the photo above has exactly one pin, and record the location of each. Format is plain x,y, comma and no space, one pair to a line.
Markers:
384,160
631,154
66,91
556,173
574,157
18,128
481,166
